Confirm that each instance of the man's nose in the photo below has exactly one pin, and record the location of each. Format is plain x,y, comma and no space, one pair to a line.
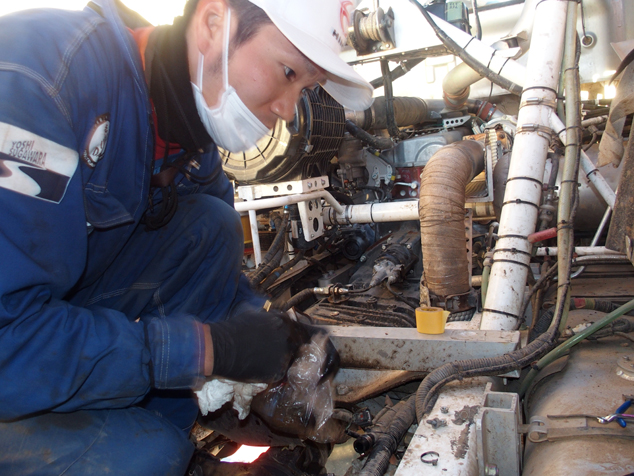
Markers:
285,105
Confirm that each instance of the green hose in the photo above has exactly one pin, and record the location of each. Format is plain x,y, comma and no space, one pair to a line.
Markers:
560,350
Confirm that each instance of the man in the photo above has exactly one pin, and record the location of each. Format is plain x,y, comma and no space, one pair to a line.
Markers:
114,306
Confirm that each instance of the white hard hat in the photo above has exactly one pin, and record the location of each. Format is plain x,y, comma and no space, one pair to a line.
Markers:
319,29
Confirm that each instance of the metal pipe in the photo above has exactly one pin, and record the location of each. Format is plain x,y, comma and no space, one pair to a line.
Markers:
591,171
255,237
593,121
595,239
275,202
526,171
372,213
579,250
568,186
457,82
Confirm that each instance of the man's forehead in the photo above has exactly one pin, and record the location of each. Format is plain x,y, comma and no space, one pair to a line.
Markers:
312,69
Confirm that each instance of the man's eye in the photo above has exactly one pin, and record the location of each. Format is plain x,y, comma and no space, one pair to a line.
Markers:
289,73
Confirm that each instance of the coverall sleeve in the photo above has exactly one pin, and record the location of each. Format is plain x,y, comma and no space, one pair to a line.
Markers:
55,356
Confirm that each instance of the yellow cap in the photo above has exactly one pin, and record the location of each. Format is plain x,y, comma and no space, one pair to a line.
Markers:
431,320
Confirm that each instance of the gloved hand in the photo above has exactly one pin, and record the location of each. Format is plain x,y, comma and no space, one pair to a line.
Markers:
331,362
256,346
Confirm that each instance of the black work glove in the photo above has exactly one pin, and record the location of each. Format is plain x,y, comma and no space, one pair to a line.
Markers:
256,346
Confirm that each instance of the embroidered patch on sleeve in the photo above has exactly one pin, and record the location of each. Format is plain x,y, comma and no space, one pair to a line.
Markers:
34,166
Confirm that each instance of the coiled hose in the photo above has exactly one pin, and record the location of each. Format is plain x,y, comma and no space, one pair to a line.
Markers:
388,440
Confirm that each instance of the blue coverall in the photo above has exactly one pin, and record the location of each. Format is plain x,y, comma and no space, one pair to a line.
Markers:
100,320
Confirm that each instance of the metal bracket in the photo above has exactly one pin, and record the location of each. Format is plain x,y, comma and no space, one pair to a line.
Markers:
544,131
455,121
251,192
498,438
310,213
539,102
560,427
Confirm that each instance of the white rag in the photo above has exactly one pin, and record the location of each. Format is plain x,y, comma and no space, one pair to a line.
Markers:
215,393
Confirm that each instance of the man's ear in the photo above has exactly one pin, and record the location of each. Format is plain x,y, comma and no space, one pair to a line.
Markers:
208,24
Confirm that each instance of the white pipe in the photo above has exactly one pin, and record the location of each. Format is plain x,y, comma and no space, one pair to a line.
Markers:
579,250
275,202
255,237
462,76
593,121
588,167
373,213
526,171
484,54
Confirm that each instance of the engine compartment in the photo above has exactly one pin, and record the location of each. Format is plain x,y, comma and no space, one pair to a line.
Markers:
483,199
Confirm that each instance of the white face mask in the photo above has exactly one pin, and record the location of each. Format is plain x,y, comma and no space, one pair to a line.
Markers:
231,124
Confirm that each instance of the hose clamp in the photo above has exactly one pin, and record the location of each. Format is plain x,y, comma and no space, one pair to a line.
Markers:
430,457
539,102
542,131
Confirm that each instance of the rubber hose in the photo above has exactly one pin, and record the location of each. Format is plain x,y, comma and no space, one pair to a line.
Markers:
278,242
600,305
280,225
298,298
441,210
380,143
276,273
567,345
269,267
387,442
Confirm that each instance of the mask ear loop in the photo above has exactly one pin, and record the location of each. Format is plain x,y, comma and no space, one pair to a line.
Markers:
225,57
225,51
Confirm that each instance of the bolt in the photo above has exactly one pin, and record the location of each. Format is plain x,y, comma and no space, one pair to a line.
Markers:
408,246
363,258
323,182
491,470
342,389
310,185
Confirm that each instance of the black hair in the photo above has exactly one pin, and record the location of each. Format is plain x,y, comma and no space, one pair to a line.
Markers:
250,18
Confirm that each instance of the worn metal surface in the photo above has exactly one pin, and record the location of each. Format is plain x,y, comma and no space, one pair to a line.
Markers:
355,385
587,385
622,223
498,442
454,443
398,348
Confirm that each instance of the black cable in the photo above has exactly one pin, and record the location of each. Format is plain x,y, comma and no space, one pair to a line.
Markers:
398,72
399,297
380,143
389,100
476,14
